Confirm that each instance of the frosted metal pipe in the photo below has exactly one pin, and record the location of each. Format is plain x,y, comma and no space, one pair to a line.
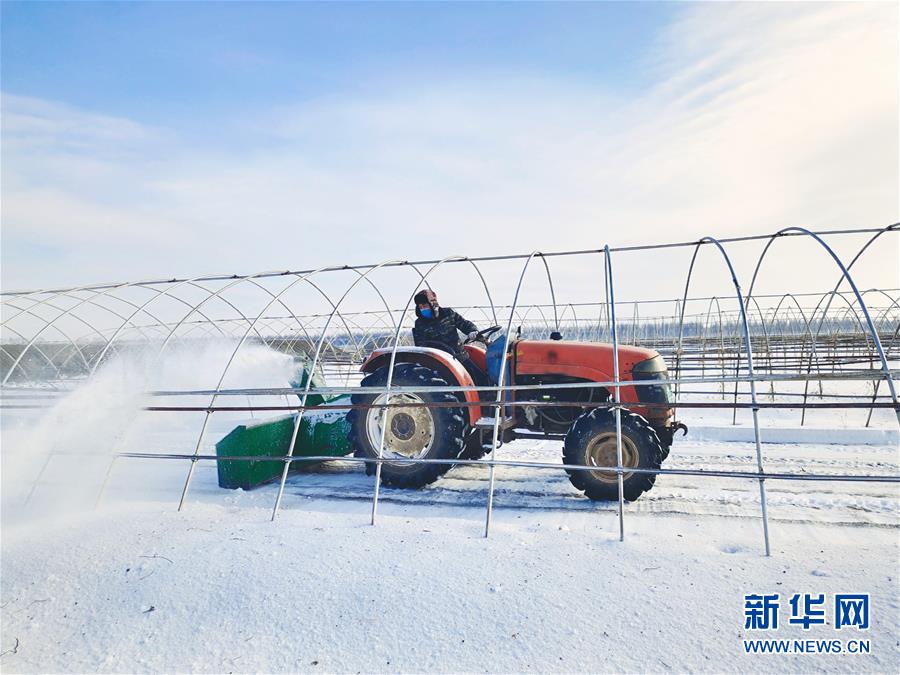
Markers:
309,379
192,309
746,302
499,409
217,294
168,292
53,321
40,351
848,375
700,405
518,256
187,482
713,473
616,390
755,409
552,292
93,329
423,278
845,272
878,382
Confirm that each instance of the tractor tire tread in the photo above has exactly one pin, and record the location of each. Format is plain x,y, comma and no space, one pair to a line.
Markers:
449,444
646,440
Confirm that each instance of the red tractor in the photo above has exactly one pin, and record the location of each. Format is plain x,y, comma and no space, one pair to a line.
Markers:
580,416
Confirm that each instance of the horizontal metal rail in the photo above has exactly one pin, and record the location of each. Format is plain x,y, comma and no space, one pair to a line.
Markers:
773,339
754,475
698,405
11,396
865,375
533,404
868,375
487,258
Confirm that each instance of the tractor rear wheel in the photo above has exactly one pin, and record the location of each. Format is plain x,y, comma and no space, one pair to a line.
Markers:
592,442
413,432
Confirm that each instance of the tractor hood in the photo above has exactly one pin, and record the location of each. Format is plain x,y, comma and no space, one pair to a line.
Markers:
587,360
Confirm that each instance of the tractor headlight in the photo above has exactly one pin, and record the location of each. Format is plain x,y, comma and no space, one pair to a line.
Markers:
653,369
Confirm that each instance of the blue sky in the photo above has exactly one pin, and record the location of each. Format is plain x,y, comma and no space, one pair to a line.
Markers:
192,64
145,140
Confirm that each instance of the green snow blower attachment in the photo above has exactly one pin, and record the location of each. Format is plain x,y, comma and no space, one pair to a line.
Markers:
322,433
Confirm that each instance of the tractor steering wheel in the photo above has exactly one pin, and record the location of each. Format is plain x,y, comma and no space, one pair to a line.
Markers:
483,335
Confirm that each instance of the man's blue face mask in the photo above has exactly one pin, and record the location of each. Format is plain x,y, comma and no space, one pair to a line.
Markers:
427,313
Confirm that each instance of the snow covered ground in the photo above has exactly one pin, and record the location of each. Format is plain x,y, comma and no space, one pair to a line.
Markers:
137,586
134,585
220,588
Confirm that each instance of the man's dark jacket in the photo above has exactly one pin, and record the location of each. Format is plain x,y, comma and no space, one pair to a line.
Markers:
442,330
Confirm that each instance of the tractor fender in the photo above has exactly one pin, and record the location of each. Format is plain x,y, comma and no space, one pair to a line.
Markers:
443,362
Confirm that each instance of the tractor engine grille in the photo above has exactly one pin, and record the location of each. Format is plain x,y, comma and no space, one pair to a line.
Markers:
653,369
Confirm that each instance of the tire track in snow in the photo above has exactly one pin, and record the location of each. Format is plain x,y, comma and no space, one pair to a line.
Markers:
852,504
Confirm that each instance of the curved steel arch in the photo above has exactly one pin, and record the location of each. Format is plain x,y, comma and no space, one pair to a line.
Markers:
68,311
845,274
574,317
66,291
762,319
714,299
611,300
487,290
890,228
396,343
127,321
749,352
329,301
40,351
299,417
92,300
878,383
393,359
167,292
552,291
524,317
812,341
217,294
51,323
503,359
456,258
49,360
383,300
499,408
893,303
190,475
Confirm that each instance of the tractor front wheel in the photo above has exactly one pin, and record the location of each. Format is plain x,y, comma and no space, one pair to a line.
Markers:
410,428
591,441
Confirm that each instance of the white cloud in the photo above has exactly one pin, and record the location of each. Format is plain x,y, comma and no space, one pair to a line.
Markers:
764,115
35,123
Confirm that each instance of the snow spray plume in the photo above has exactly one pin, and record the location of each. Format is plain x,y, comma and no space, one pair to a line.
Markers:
58,461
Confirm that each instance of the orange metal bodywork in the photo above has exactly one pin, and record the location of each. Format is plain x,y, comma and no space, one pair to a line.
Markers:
426,356
591,361
478,354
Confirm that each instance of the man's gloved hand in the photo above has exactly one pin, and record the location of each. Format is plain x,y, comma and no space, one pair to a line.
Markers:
472,336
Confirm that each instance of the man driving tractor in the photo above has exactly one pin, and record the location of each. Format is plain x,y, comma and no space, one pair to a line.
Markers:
561,391
439,327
